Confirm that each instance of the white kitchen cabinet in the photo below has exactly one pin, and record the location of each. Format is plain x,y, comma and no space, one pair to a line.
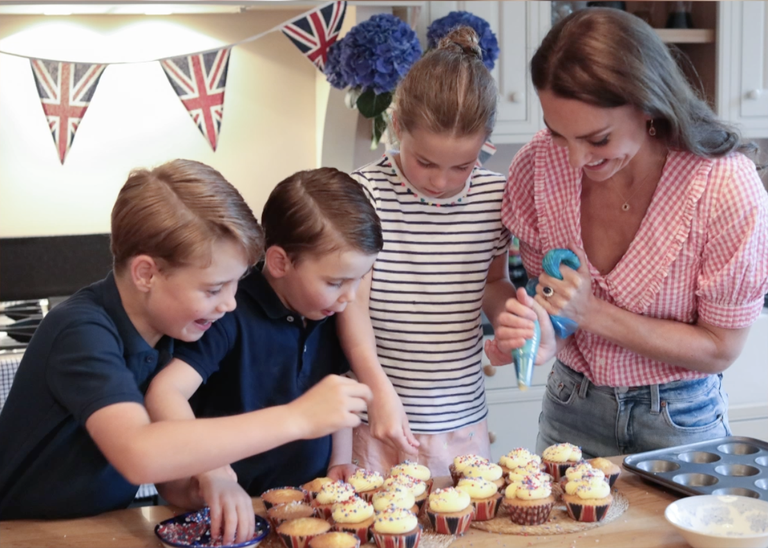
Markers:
519,28
742,83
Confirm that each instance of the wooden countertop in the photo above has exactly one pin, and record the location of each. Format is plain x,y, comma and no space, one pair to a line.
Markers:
642,525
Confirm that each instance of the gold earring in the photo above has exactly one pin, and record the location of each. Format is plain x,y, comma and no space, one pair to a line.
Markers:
652,130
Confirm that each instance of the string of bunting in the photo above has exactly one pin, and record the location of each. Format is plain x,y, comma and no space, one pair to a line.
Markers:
199,79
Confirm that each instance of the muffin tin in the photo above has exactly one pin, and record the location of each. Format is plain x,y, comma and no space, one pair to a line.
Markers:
732,465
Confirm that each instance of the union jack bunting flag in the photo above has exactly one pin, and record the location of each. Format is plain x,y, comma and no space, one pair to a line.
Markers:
65,90
199,81
314,33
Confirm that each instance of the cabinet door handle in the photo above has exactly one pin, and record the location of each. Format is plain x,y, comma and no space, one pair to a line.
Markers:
515,97
489,370
492,437
754,94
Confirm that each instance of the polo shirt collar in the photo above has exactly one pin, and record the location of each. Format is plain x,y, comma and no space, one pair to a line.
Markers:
133,342
259,289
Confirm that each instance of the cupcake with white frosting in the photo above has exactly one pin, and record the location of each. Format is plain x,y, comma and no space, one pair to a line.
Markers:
460,463
415,486
529,501
611,470
399,497
396,528
517,457
450,511
354,515
415,470
559,457
366,483
530,468
588,499
483,495
487,470
330,494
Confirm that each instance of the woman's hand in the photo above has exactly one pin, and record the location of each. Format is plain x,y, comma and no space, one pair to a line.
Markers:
515,325
572,296
231,507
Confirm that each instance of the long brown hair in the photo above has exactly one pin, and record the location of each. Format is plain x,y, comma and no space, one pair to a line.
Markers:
177,212
319,211
609,58
449,90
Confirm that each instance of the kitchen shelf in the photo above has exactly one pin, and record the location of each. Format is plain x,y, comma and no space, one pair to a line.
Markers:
686,36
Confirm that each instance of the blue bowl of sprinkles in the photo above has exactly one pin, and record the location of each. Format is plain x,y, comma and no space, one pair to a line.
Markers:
193,529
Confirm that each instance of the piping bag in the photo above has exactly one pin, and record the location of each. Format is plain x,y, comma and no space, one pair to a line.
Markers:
525,356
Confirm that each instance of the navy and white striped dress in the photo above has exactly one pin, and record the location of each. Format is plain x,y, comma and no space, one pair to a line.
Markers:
427,292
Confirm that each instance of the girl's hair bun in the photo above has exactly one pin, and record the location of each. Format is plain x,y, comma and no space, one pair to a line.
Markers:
462,40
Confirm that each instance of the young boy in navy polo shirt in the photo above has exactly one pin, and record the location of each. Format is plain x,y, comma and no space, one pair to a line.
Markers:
76,438
322,236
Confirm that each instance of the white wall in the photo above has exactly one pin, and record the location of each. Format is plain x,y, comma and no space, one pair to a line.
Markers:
136,119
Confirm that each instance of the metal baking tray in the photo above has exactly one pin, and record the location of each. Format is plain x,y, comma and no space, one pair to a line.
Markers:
732,465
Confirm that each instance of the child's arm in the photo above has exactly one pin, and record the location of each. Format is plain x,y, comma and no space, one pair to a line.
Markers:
512,315
340,466
386,416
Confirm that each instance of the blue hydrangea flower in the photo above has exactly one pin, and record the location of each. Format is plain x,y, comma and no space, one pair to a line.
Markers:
377,53
488,43
333,66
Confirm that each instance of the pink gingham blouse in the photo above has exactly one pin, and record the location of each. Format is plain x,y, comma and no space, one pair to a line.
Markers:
700,252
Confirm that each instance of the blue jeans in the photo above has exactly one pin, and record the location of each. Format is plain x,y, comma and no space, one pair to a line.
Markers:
607,420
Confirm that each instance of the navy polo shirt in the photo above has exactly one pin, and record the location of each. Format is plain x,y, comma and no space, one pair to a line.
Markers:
258,356
85,355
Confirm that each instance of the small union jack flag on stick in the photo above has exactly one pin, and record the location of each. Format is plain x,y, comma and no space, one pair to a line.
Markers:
199,81
486,151
315,32
65,90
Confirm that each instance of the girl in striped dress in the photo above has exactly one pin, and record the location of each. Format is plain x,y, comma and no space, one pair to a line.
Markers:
444,261
670,222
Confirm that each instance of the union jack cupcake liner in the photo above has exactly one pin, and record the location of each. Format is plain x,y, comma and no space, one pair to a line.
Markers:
398,541
363,533
587,513
486,509
449,525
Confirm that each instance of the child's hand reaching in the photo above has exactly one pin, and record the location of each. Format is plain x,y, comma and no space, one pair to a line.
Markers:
389,423
330,405
341,471
515,325
231,507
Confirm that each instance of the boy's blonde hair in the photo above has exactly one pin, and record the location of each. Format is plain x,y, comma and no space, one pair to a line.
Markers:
176,213
449,90
319,211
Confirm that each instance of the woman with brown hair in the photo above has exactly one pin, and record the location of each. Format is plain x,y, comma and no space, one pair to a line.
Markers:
669,219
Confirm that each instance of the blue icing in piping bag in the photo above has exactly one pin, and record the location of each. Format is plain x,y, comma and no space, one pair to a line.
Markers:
525,356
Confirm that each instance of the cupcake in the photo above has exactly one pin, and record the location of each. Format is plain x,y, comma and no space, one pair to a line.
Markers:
517,457
450,511
608,468
296,533
483,495
417,487
292,510
415,470
588,499
283,495
354,516
559,457
460,463
579,471
334,539
313,487
330,494
399,497
530,468
365,483
529,501
396,528
486,470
